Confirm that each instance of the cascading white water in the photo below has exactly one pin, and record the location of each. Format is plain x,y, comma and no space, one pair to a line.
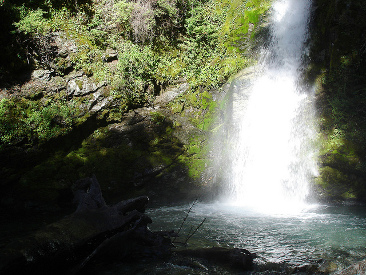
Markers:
273,121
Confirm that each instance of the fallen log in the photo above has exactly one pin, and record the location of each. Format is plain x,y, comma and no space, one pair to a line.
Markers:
66,246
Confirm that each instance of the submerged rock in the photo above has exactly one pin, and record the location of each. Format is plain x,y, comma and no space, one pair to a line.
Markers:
356,269
235,258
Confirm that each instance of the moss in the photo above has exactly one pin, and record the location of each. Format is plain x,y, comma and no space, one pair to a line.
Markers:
79,83
157,118
194,49
339,76
117,159
196,157
206,99
177,107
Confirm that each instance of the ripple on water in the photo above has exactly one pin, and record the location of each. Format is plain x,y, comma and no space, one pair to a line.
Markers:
336,234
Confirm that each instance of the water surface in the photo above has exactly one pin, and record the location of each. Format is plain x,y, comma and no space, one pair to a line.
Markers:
335,235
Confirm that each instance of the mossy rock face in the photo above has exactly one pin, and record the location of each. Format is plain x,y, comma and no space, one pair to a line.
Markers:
336,67
124,156
333,185
84,86
152,151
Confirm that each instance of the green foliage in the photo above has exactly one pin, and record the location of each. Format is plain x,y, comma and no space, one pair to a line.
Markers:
51,121
124,10
135,73
157,118
136,64
12,121
211,54
158,43
242,18
338,35
148,21
21,119
32,22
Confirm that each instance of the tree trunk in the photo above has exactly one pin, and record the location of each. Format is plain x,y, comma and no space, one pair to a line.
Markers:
66,246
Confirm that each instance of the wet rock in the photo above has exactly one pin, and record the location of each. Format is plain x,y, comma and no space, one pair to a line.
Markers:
56,84
74,87
99,103
65,46
305,269
235,258
74,75
356,269
170,94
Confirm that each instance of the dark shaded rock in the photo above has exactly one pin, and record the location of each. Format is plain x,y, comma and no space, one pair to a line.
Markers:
235,258
68,245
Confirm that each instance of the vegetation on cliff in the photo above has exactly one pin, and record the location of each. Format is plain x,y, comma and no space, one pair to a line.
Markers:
156,44
338,58
96,60
134,50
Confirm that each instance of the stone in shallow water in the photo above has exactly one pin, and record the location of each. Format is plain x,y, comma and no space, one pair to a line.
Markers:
356,269
235,258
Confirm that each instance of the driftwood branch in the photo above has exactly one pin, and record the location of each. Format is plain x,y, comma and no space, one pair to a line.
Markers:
185,218
190,235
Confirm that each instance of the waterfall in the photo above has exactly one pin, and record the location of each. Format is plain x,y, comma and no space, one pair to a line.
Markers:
272,129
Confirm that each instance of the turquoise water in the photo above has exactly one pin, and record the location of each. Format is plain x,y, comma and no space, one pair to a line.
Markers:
329,237
324,235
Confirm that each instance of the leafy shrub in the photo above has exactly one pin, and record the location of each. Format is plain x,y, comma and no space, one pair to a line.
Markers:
12,121
33,22
50,121
149,21
158,42
21,119
136,68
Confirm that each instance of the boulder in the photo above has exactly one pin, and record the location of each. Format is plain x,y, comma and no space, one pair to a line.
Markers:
44,75
110,55
82,85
